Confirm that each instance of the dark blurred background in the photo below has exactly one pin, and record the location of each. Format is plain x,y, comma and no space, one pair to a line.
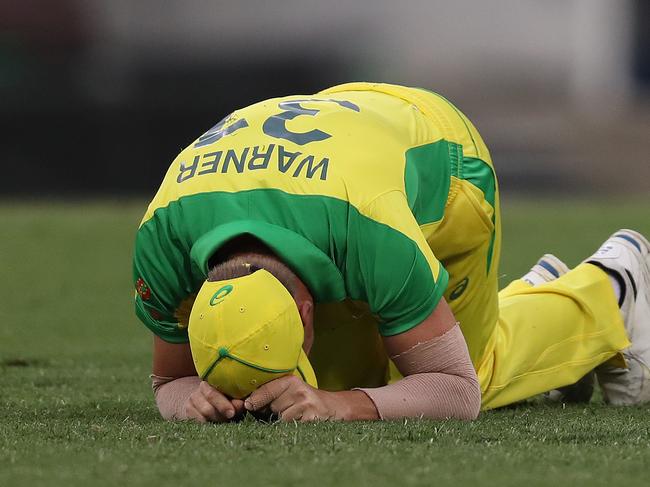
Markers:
98,96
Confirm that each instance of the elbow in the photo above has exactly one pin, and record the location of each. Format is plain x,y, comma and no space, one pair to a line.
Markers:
458,398
166,411
163,397
468,399
473,399
172,395
473,403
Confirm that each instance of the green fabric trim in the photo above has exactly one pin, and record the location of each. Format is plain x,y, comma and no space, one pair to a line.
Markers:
456,159
211,366
336,250
302,375
320,274
419,315
258,367
396,261
165,329
224,353
426,180
477,171
481,175
491,249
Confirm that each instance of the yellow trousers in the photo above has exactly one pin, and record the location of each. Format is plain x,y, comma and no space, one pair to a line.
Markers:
523,340
550,335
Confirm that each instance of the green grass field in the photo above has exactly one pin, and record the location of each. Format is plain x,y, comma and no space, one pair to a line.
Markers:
76,406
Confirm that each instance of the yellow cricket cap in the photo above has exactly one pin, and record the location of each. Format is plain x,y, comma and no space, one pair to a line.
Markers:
245,332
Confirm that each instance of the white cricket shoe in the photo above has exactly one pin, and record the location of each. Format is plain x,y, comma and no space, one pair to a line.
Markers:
627,254
547,269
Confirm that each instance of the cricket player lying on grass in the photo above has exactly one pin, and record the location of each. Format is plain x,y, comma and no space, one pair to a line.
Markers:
360,227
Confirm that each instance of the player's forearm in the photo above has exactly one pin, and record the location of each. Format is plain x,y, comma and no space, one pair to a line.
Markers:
431,395
440,382
172,395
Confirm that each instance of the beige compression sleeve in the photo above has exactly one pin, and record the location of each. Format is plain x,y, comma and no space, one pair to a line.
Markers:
439,382
171,394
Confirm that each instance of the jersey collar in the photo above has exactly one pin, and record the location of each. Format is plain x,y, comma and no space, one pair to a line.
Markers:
314,267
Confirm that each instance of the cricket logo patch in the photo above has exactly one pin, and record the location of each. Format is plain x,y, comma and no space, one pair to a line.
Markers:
142,289
221,294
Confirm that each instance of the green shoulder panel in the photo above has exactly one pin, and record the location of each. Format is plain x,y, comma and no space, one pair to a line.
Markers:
427,179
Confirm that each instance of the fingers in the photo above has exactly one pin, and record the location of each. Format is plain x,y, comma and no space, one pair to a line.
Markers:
291,400
267,393
281,404
208,404
238,404
293,413
217,400
303,413
192,413
288,397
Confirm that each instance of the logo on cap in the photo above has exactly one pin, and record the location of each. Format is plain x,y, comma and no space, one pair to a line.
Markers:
221,293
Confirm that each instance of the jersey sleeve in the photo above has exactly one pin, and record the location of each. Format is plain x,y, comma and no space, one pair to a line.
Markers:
402,279
158,288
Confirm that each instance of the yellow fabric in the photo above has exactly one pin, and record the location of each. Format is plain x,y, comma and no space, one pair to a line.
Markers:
523,340
377,168
245,332
463,243
392,120
348,350
366,166
550,335
450,124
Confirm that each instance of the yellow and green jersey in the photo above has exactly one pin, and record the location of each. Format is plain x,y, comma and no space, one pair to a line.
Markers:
346,186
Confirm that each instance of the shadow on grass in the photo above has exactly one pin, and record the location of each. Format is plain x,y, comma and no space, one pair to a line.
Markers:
23,362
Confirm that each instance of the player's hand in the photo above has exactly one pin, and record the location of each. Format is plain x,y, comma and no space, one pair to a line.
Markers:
292,400
207,404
